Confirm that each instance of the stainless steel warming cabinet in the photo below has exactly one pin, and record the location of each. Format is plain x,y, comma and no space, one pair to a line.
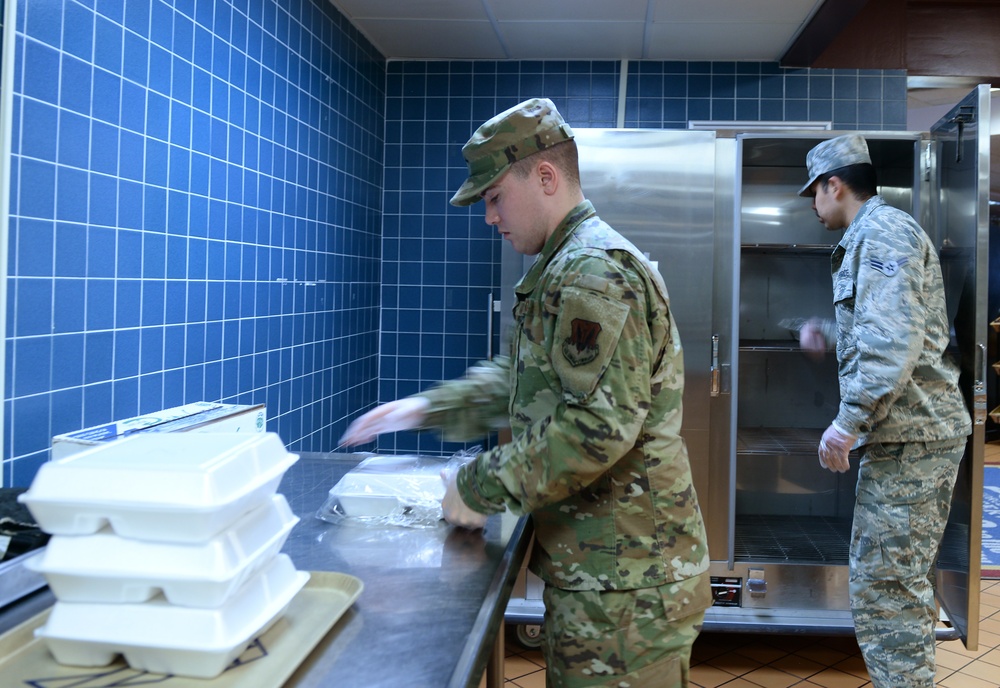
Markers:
745,260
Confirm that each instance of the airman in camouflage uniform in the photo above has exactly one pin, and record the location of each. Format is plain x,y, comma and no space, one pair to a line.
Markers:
899,403
592,393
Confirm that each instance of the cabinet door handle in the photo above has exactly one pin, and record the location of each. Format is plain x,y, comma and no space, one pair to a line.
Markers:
715,370
979,387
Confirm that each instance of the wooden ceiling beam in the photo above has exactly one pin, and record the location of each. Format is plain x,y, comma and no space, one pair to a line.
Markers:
830,20
923,37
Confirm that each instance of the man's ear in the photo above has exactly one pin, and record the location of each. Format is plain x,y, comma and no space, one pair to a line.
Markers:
836,186
548,175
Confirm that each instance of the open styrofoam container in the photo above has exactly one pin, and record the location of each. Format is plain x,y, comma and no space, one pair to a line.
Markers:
169,487
105,567
163,638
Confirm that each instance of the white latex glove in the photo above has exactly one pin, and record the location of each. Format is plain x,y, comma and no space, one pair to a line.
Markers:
454,509
811,339
834,449
402,414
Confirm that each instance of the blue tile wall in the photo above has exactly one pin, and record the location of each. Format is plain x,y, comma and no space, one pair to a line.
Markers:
441,263
195,215
244,202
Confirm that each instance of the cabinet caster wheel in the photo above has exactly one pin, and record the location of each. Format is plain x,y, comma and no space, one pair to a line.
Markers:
529,635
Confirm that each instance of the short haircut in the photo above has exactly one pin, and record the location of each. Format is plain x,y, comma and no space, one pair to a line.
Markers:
860,179
564,156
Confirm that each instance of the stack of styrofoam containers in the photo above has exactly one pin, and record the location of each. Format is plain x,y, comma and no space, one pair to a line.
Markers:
165,549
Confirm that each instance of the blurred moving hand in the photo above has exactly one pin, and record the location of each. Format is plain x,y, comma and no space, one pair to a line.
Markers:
454,509
811,339
402,414
834,449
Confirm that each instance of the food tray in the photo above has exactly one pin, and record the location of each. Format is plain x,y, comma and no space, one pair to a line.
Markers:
267,662
171,487
164,638
105,567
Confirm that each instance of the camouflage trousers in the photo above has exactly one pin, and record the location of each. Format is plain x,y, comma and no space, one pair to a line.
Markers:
620,639
903,499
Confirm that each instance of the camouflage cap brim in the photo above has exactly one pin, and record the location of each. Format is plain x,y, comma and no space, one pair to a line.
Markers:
513,135
472,188
832,154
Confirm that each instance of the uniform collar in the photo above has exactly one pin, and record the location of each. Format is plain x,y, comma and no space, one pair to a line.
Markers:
562,233
869,206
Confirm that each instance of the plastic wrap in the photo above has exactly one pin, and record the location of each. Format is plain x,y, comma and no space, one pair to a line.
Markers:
392,491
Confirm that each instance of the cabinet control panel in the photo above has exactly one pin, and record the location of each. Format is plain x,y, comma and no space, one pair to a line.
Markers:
726,591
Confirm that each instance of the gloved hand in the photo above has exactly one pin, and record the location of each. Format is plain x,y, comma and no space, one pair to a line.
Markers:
402,414
834,448
454,509
811,339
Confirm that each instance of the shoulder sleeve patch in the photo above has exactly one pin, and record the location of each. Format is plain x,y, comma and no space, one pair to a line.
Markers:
586,337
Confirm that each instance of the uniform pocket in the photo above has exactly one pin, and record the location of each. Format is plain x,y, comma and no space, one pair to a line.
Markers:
882,544
531,379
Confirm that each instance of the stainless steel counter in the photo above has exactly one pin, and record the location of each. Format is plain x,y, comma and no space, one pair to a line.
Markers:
433,600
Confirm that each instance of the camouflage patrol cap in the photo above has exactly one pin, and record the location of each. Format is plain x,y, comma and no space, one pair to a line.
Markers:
527,128
850,149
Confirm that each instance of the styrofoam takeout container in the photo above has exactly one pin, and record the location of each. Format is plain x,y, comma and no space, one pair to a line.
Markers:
169,487
163,638
105,567
381,485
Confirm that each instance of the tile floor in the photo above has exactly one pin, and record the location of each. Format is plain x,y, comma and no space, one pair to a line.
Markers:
761,661
737,660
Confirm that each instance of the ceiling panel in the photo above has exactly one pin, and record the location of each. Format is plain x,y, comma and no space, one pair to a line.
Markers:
754,11
568,10
408,9
423,39
697,41
579,29
539,40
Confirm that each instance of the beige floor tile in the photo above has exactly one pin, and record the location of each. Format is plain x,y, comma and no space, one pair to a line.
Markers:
705,676
735,663
942,673
797,665
960,680
854,665
517,666
951,660
535,680
769,677
823,655
982,670
991,657
990,625
762,652
833,678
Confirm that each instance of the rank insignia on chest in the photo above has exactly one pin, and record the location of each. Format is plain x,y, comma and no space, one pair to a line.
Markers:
581,346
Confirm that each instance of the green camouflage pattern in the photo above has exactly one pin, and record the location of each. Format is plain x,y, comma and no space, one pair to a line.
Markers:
623,639
897,384
523,130
850,149
903,499
594,396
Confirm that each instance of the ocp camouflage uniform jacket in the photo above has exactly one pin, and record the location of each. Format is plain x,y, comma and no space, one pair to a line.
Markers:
896,382
594,402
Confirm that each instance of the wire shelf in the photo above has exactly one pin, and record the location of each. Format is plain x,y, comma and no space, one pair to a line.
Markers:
791,538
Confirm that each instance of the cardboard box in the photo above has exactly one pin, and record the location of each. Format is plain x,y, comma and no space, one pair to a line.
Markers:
201,416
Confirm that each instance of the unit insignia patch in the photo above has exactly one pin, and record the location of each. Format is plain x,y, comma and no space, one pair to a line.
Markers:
581,347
